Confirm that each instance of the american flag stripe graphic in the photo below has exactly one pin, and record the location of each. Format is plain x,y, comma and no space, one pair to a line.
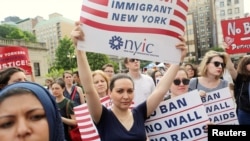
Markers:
177,21
128,29
86,126
95,12
101,2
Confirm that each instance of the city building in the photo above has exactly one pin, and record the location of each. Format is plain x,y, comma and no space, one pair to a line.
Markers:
51,31
227,10
37,55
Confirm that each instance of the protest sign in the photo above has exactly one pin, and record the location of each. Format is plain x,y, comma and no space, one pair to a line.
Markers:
220,107
236,35
15,56
179,118
146,30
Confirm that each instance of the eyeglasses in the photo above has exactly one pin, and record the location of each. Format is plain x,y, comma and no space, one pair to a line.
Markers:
217,64
133,60
184,81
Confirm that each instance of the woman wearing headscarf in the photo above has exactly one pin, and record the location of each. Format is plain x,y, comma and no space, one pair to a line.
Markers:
29,112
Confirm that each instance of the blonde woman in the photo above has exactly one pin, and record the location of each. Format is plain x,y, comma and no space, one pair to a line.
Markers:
210,72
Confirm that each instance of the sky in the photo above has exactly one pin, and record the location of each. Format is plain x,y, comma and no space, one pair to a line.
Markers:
31,8
68,8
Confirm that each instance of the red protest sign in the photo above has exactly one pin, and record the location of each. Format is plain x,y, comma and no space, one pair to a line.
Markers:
236,35
15,56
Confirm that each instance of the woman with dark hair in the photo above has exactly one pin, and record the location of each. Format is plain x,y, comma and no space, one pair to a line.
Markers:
11,75
29,112
65,107
122,122
156,75
241,78
191,70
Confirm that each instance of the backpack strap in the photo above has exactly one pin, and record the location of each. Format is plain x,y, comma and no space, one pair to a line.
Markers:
196,85
67,108
72,96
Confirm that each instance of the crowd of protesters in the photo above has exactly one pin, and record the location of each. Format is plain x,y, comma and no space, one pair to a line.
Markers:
145,90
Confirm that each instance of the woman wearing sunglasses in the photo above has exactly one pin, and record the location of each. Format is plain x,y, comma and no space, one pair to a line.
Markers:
179,85
210,72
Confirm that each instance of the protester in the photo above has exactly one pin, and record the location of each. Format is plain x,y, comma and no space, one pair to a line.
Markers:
210,71
101,83
156,75
76,80
29,112
122,122
72,92
109,70
65,106
144,84
11,75
241,78
48,84
191,70
180,84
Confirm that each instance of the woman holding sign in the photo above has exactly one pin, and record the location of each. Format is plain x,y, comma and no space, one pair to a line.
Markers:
122,122
241,78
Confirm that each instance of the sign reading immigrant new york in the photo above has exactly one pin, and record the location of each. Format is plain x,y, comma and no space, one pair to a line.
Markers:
147,29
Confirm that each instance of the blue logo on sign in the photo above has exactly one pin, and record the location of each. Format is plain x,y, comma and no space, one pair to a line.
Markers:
132,46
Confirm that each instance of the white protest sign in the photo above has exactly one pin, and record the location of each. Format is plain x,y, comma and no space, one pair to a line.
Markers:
220,107
142,29
180,118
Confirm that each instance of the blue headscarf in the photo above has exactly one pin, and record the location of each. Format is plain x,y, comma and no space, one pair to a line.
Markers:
56,131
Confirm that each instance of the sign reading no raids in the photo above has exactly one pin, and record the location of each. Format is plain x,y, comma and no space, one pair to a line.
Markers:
143,29
220,107
178,119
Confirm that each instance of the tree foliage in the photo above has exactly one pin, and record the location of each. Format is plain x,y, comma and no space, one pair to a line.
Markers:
12,32
97,60
65,57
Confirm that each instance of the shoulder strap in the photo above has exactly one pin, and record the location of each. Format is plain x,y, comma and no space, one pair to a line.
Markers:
72,96
196,85
67,108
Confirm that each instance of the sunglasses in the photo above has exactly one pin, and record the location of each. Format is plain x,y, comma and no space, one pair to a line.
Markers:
133,60
184,81
217,64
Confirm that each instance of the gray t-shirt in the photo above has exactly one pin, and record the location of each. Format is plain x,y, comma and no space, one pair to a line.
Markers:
194,84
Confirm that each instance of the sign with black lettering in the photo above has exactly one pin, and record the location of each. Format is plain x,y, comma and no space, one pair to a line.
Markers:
180,118
220,107
142,29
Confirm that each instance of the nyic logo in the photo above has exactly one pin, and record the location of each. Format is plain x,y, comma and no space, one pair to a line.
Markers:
132,46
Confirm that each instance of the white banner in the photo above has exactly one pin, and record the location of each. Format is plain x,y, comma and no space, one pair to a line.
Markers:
220,107
142,29
182,118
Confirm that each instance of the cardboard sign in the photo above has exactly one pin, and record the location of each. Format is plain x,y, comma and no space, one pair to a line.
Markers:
179,118
236,35
15,56
220,107
147,29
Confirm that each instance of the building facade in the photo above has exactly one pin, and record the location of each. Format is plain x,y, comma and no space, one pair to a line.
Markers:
37,54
